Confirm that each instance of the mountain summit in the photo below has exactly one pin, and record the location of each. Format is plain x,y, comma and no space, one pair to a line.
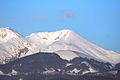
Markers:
66,43
7,34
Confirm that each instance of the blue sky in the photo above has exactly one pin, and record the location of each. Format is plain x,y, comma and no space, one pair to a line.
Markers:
96,20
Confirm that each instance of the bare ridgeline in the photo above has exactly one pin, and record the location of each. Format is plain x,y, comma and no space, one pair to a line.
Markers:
60,55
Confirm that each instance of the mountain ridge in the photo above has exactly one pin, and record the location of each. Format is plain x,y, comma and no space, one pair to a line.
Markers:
17,45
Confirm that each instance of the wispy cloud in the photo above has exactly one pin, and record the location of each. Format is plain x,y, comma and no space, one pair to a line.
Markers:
68,14
65,15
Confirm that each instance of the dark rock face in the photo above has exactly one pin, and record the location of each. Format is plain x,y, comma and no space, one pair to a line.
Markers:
40,66
117,66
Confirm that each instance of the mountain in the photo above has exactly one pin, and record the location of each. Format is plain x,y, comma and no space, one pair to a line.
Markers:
12,45
66,43
50,64
60,55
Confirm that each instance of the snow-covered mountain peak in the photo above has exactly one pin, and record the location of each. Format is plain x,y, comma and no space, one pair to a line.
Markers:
49,37
65,42
7,33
